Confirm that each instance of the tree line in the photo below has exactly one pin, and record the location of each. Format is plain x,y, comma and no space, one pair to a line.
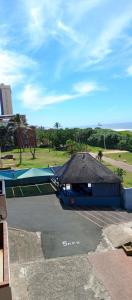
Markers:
17,134
59,138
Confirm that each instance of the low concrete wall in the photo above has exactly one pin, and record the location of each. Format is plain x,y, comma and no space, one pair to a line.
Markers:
5,290
3,211
127,198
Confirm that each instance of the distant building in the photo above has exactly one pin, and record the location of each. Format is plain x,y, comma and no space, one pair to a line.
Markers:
5,100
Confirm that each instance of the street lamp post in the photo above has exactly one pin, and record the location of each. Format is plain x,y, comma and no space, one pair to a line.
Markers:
100,125
104,142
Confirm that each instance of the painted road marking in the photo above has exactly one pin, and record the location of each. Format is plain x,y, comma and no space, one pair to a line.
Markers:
110,217
118,218
93,216
90,214
105,217
119,214
82,215
67,243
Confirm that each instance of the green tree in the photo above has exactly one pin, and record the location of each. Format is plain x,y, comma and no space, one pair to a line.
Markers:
72,146
120,172
20,130
3,136
32,141
130,145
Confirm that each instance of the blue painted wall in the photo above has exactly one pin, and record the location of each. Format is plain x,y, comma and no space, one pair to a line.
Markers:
106,189
91,201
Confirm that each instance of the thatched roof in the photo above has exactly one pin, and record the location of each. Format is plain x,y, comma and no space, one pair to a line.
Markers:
83,168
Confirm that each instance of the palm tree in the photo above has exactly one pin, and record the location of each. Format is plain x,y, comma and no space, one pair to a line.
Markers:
57,125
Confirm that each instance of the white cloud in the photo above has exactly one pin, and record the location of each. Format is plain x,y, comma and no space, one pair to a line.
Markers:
68,31
46,19
4,35
85,31
86,37
42,18
13,67
35,98
86,87
129,71
111,33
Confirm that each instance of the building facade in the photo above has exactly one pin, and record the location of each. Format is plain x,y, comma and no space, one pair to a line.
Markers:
5,100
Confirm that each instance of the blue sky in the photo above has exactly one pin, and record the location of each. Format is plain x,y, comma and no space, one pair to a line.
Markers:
68,61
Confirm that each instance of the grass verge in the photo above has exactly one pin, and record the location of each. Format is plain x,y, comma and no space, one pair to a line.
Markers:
125,157
127,179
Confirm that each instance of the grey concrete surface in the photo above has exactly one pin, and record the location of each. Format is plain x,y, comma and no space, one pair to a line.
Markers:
63,232
114,269
118,234
33,277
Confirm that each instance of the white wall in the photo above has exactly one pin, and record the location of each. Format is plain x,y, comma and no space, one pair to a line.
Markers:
3,187
127,198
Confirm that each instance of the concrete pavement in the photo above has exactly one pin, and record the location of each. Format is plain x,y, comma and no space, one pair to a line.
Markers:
33,277
103,275
114,269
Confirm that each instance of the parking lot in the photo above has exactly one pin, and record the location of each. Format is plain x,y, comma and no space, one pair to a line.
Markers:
104,217
64,232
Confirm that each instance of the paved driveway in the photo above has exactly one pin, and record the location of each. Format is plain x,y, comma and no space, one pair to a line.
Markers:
116,163
104,217
63,232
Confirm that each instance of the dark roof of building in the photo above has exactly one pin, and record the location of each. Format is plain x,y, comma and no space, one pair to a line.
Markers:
83,168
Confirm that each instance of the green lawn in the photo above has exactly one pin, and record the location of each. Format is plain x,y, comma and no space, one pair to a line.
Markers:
94,149
124,156
127,182
44,158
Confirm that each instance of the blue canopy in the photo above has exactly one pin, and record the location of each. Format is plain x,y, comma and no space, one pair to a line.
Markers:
25,173
35,173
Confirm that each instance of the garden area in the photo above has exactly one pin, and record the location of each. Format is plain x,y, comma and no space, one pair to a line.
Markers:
127,177
45,157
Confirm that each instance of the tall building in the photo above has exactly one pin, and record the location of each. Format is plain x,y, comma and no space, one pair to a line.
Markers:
5,100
